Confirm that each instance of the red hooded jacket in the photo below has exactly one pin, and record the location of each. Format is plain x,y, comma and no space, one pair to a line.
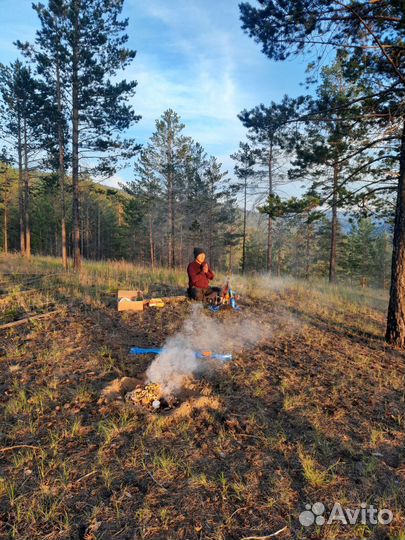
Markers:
196,276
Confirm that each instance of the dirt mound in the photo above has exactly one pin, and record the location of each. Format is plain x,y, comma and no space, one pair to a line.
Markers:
118,388
197,403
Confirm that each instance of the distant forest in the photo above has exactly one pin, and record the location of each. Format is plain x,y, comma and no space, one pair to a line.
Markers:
115,224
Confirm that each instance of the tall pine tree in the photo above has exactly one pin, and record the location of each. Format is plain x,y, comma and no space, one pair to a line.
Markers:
372,33
81,44
270,133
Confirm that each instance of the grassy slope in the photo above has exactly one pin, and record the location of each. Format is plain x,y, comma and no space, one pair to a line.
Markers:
315,412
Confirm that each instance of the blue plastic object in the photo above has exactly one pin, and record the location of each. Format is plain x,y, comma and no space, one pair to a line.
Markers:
198,355
142,350
232,303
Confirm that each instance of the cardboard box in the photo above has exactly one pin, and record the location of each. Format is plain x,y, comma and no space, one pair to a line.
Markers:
131,295
126,304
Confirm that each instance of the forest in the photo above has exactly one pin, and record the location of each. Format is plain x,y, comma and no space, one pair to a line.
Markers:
137,401
64,114
59,147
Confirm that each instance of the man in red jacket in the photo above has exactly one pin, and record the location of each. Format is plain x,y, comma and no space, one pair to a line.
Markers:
199,276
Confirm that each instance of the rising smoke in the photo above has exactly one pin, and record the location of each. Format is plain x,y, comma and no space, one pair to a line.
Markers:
201,333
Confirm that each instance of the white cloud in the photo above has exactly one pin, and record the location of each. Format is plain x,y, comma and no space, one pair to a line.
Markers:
201,85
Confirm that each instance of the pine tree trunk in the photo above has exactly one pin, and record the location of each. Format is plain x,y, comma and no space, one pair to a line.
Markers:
61,169
333,242
210,236
98,232
5,218
180,250
85,230
170,255
244,226
307,250
75,139
170,191
26,196
56,251
270,222
395,333
383,269
211,223
172,232
151,243
20,188
82,236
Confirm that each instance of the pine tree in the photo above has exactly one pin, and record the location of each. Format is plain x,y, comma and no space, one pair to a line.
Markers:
144,208
219,207
270,132
20,112
81,45
323,151
51,58
163,162
360,250
207,201
194,200
7,178
244,170
371,32
304,212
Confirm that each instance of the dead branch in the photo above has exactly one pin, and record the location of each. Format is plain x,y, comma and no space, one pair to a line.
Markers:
264,537
18,446
28,319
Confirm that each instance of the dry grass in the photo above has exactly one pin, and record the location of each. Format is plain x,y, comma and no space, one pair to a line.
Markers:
315,412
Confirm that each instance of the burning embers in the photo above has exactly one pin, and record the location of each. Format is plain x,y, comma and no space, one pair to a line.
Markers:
133,390
151,397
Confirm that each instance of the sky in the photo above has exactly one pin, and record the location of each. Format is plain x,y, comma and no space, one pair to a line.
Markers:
193,57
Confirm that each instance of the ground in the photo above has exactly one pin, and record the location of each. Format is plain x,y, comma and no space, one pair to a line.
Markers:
313,412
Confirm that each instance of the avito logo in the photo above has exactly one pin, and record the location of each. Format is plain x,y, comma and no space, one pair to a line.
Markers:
365,514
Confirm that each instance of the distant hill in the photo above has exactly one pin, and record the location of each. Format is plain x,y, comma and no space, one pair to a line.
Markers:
255,219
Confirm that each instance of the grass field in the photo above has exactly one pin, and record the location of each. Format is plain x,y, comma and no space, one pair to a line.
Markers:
313,412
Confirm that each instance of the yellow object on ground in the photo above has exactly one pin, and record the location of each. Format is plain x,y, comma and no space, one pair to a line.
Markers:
133,300
156,302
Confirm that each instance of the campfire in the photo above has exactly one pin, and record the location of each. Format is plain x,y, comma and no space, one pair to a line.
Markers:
151,397
201,349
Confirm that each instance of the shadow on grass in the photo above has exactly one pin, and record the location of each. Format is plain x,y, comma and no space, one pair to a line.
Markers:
279,427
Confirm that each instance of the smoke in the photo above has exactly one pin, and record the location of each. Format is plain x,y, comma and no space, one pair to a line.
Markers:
177,362
262,285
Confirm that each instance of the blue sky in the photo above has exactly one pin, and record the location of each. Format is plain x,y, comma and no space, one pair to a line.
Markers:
192,56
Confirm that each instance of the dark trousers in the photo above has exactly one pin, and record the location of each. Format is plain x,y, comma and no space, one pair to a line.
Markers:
210,294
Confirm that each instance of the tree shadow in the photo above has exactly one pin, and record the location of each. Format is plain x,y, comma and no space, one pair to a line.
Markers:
247,459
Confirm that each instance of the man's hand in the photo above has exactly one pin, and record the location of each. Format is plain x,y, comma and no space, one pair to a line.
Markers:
205,268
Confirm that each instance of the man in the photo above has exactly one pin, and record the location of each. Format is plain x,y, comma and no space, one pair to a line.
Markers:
199,276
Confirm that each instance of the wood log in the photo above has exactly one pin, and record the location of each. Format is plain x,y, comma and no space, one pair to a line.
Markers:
28,319
173,298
